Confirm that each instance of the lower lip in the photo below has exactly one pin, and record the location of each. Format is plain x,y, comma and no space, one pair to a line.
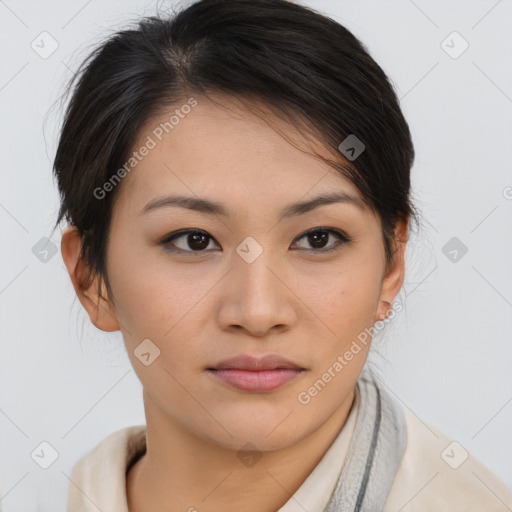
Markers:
256,381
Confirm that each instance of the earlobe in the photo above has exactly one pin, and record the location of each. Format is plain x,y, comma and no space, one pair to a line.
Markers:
394,279
99,308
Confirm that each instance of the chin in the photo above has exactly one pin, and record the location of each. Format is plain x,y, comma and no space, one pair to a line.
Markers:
265,436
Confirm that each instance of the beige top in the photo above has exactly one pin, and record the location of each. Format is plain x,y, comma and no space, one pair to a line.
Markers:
98,479
435,474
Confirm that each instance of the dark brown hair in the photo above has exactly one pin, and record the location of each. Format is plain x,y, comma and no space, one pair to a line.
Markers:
296,61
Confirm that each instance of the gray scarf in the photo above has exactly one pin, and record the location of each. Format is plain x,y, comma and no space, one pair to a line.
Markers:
375,451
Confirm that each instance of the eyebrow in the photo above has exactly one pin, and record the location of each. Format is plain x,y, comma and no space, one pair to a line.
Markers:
215,208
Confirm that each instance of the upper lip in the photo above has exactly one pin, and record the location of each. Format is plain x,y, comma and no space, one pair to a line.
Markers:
248,362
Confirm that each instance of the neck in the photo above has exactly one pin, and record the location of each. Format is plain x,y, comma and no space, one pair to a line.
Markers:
182,472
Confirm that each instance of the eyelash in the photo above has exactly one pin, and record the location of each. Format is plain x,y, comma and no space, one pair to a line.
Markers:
342,238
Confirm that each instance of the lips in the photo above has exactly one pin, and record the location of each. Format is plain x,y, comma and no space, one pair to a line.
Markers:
256,374
252,363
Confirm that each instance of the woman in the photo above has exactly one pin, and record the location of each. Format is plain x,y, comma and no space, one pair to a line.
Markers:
237,183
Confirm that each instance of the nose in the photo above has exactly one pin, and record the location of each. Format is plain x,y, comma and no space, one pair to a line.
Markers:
257,297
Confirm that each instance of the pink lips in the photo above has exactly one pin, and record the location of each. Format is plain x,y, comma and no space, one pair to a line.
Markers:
256,374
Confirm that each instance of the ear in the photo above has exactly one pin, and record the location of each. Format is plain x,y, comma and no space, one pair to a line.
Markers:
100,310
394,278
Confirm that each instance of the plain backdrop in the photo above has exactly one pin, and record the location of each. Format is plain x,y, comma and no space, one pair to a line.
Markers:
447,355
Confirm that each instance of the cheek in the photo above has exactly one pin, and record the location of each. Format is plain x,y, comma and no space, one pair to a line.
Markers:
157,300
146,303
342,303
344,297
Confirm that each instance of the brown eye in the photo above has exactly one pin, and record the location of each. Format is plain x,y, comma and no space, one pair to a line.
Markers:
197,241
319,237
190,241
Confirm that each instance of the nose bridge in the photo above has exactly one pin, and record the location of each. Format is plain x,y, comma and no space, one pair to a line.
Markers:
258,299
254,272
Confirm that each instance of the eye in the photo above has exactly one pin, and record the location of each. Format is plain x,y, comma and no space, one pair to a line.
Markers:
319,236
194,239
197,241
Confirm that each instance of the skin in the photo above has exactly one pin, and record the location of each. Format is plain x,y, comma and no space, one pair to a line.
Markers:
201,307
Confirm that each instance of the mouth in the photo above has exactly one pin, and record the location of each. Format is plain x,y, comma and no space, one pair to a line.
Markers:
256,381
256,374
251,363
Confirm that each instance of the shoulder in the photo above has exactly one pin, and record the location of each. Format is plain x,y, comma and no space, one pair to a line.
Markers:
101,472
115,449
437,473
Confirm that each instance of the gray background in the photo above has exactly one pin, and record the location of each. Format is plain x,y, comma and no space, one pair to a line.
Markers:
447,356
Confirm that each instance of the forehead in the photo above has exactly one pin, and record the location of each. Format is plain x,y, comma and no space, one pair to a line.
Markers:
223,148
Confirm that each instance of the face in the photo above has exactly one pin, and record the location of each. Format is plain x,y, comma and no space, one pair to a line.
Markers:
250,281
